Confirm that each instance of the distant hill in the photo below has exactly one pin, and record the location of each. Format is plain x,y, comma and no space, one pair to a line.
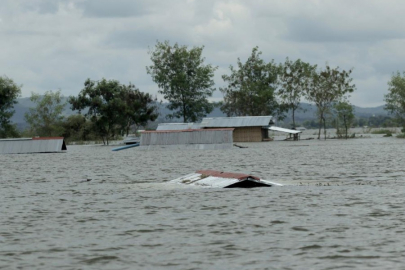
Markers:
23,106
307,112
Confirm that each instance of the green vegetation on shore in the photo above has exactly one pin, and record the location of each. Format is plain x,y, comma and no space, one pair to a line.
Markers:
252,88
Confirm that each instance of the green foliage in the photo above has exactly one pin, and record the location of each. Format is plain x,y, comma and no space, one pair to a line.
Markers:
46,118
327,87
140,108
294,78
183,80
251,88
383,131
395,99
344,117
78,128
113,107
9,131
401,136
9,92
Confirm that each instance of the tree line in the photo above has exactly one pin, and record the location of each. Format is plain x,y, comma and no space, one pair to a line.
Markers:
252,88
106,110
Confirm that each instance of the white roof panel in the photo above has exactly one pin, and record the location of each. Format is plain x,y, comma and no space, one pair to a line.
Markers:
286,130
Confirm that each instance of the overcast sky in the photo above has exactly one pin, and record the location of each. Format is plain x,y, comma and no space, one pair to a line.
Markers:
58,44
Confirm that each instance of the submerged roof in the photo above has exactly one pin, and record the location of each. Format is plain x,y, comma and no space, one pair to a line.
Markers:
218,179
241,121
32,145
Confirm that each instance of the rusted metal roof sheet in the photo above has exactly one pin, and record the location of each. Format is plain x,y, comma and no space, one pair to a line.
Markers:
178,126
218,179
189,139
32,145
286,130
244,121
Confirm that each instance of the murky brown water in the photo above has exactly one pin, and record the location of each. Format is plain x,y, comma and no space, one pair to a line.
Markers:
343,208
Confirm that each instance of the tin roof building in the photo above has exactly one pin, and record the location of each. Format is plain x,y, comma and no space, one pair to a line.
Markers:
32,145
246,128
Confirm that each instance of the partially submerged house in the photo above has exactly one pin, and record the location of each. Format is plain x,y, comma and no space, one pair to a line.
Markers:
246,128
32,145
187,139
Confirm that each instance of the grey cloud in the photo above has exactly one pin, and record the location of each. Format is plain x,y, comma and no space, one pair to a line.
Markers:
138,38
51,44
41,6
310,30
116,8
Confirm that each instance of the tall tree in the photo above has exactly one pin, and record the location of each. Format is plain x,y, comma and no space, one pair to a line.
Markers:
395,99
344,116
9,92
113,106
251,88
45,119
294,78
327,87
183,79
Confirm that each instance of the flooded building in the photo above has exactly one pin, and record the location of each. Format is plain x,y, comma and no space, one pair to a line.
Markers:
32,145
220,138
246,128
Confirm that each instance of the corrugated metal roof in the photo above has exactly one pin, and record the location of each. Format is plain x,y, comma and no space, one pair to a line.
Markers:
177,126
32,145
243,121
185,130
190,138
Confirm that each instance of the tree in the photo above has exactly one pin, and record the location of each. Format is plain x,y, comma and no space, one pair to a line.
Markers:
45,119
344,114
327,87
294,81
251,88
78,128
183,79
113,106
395,99
9,92
140,108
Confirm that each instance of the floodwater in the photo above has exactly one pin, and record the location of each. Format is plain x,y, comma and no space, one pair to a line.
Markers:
342,208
